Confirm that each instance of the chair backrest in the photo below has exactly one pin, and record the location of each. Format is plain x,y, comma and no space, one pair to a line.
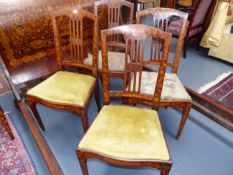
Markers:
161,19
78,47
114,8
135,36
200,12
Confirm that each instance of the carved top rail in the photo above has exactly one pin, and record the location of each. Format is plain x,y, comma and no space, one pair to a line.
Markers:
162,17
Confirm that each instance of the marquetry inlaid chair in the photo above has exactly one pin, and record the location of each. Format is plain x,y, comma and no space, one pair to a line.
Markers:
173,93
65,89
113,17
125,135
5,123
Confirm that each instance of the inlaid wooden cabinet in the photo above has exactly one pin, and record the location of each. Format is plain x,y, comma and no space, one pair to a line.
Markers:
26,32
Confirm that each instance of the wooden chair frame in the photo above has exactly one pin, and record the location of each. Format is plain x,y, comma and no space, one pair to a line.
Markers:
162,14
81,111
128,34
114,9
5,124
131,33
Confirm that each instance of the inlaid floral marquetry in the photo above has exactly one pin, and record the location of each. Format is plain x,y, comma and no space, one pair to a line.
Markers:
26,32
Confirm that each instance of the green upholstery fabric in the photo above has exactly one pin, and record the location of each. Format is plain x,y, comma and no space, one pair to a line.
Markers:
127,133
64,87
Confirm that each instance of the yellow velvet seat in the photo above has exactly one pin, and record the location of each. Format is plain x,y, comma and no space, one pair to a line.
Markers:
65,87
126,133
116,61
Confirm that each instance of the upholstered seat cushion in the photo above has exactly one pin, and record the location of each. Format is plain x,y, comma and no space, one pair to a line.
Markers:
127,133
116,61
64,87
172,90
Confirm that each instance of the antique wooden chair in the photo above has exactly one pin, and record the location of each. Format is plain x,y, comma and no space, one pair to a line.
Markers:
112,18
69,90
125,135
196,22
5,124
173,93
168,15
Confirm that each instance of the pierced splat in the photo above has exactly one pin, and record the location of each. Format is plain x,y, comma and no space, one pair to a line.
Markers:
134,65
162,17
160,22
79,45
76,39
135,38
114,17
156,49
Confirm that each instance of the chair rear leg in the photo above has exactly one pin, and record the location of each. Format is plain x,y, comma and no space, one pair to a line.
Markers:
84,119
97,96
36,114
82,162
186,40
185,115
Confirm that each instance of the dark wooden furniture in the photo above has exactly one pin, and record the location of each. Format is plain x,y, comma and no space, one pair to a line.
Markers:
173,94
143,2
197,20
26,33
120,134
33,127
69,90
163,3
5,124
111,12
167,3
212,109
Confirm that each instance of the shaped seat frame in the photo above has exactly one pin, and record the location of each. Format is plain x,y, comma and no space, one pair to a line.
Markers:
77,53
161,16
135,36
